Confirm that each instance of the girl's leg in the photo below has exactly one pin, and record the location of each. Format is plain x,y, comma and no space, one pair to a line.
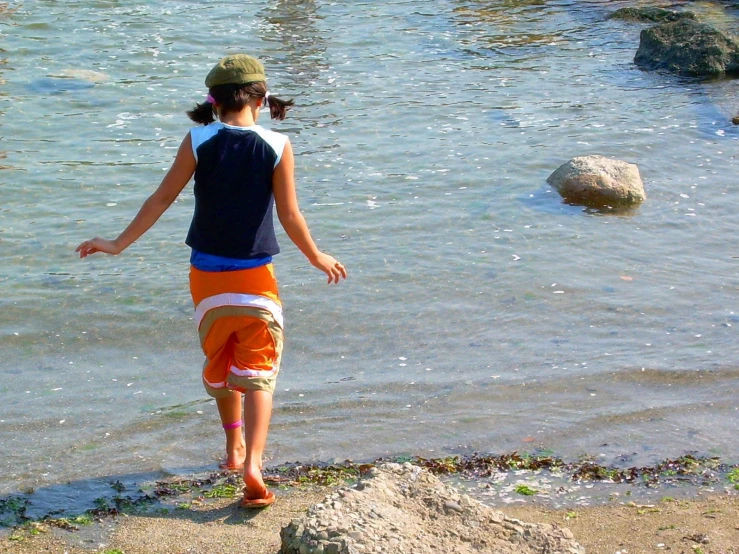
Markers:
257,413
230,408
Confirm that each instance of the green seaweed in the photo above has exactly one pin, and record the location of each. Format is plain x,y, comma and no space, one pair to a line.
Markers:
525,490
176,488
316,474
82,519
12,510
688,468
62,523
118,487
101,504
27,530
223,490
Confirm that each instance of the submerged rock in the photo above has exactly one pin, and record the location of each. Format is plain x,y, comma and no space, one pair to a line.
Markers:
598,181
55,85
67,80
83,75
404,508
656,15
687,47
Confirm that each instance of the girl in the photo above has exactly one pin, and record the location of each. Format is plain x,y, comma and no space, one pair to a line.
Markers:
241,171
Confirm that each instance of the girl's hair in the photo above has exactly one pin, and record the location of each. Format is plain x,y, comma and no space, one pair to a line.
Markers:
233,98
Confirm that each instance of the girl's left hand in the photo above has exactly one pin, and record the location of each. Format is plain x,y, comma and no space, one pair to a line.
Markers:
330,266
98,245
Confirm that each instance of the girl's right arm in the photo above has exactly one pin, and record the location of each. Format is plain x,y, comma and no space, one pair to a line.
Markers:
174,181
286,201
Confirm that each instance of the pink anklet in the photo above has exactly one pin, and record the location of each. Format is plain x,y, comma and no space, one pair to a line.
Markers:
234,425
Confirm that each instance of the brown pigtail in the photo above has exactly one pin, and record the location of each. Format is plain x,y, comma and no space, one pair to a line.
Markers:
278,107
202,113
233,98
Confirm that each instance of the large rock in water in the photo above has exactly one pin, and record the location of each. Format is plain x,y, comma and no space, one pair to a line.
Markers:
658,15
688,48
598,181
404,508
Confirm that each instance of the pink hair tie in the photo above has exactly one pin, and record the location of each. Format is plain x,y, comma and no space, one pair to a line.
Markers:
210,99
266,99
234,425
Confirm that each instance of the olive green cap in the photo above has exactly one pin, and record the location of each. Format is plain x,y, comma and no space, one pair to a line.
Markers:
237,69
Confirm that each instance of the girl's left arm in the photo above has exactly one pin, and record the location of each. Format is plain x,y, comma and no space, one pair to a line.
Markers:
288,211
174,181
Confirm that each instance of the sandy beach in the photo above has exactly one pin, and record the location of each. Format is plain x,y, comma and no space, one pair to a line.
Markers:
702,525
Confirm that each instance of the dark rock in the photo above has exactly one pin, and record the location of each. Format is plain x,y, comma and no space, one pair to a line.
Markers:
687,47
656,15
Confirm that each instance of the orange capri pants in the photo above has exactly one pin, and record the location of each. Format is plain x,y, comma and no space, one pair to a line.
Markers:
239,319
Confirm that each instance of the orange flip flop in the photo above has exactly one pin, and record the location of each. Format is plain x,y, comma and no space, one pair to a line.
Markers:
267,498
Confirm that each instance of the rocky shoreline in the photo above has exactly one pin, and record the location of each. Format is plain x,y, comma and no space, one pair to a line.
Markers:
361,507
217,526
538,474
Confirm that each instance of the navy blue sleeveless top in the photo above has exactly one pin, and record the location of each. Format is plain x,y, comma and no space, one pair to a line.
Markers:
233,190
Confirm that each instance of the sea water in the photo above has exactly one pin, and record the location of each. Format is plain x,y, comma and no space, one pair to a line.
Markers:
480,314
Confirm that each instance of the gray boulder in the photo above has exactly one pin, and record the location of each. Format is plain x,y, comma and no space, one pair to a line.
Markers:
687,47
598,181
404,508
655,15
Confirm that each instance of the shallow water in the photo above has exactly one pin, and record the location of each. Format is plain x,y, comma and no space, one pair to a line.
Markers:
481,313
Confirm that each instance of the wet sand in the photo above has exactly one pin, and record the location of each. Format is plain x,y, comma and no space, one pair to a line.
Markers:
702,525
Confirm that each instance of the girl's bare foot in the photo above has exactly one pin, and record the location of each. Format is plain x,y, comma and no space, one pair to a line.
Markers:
254,484
235,456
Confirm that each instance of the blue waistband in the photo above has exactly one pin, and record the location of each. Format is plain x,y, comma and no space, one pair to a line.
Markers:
210,262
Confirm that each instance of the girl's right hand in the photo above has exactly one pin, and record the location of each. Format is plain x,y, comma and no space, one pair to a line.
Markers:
330,266
98,245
